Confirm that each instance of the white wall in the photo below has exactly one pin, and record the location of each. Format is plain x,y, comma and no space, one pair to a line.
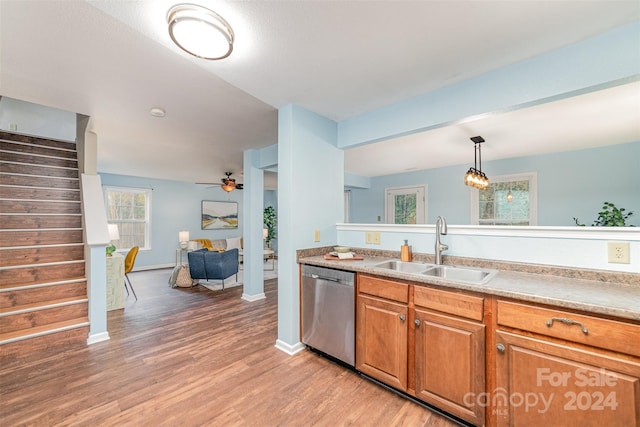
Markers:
558,246
37,120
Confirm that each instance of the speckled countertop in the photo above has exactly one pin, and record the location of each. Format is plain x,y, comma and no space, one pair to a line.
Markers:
595,291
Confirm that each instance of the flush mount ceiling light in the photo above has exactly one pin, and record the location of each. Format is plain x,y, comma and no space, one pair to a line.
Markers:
200,31
474,176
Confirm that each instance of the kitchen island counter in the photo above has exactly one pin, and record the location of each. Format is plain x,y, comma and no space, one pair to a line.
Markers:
586,290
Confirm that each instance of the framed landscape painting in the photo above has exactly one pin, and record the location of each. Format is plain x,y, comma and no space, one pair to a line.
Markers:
219,215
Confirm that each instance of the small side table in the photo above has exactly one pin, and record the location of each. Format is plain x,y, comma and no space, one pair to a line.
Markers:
179,257
270,254
115,281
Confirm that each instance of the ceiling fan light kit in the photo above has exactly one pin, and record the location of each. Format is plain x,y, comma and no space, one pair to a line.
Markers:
228,184
474,176
200,32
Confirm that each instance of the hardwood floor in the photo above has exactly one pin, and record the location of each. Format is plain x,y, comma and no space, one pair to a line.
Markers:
193,357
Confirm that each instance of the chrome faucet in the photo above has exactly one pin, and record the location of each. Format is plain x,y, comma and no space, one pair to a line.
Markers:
441,228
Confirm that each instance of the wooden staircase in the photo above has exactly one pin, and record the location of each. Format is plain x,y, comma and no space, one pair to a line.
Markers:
43,287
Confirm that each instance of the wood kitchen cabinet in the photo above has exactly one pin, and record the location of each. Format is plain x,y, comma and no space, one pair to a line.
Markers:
552,369
450,352
492,361
443,347
381,330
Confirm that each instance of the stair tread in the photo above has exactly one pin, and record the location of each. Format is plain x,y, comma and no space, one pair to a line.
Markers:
82,321
42,305
44,283
43,270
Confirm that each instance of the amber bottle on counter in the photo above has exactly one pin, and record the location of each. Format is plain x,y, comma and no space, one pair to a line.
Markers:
405,252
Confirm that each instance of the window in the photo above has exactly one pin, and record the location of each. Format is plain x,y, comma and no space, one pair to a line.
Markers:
492,207
406,205
130,209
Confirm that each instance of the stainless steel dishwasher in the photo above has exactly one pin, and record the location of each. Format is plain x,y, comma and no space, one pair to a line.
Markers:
328,312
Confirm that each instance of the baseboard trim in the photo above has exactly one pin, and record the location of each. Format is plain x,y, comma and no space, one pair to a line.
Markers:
96,338
288,348
153,267
253,298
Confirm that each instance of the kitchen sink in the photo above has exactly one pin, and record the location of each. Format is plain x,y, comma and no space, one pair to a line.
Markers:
476,276
404,267
461,274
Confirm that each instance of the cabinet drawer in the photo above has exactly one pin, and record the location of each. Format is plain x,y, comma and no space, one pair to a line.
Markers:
383,288
593,331
449,302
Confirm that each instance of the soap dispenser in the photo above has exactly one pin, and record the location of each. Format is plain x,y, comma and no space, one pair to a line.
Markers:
405,252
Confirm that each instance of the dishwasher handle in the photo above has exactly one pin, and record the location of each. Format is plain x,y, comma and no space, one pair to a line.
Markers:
315,276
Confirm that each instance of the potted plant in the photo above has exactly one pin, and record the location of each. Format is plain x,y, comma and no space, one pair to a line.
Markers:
270,220
609,216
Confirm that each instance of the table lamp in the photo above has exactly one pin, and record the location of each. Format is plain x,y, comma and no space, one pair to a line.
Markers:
183,238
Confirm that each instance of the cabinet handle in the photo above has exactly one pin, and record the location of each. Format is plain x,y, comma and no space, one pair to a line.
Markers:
500,347
416,322
402,317
567,322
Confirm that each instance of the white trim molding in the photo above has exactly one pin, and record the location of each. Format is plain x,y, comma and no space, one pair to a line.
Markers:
288,348
253,298
96,338
586,233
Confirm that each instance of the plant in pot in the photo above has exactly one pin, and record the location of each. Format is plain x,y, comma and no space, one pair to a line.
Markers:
270,219
609,216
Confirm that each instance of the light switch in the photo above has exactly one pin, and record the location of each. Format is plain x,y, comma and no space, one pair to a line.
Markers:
372,237
316,235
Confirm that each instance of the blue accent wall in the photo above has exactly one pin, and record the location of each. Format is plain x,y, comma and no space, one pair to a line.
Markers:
175,206
570,184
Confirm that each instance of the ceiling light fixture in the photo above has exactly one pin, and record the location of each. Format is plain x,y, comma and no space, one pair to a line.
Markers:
474,176
228,187
200,31
228,183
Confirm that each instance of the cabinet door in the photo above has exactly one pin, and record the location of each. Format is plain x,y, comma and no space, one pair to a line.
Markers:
449,364
543,383
381,341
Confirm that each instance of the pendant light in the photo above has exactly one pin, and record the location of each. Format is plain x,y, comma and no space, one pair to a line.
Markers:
474,176
509,197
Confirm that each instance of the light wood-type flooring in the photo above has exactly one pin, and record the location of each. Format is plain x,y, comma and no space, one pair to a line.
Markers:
193,357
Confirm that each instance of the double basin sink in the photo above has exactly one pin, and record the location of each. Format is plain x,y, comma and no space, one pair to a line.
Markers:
478,276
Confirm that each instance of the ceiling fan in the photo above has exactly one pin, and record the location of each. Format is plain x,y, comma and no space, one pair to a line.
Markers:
228,183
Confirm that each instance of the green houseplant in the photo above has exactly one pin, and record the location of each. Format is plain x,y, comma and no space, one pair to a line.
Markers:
270,219
609,216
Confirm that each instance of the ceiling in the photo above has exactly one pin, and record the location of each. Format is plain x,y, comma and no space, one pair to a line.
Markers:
606,117
114,61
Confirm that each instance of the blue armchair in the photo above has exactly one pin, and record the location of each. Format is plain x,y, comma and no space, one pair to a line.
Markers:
213,265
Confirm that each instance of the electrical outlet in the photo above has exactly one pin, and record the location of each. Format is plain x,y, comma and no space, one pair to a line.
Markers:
376,237
619,252
316,235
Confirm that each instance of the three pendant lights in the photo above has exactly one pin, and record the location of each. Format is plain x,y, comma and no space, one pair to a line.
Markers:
474,176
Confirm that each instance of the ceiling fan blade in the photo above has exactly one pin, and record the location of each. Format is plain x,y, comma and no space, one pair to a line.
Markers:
209,183
239,186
